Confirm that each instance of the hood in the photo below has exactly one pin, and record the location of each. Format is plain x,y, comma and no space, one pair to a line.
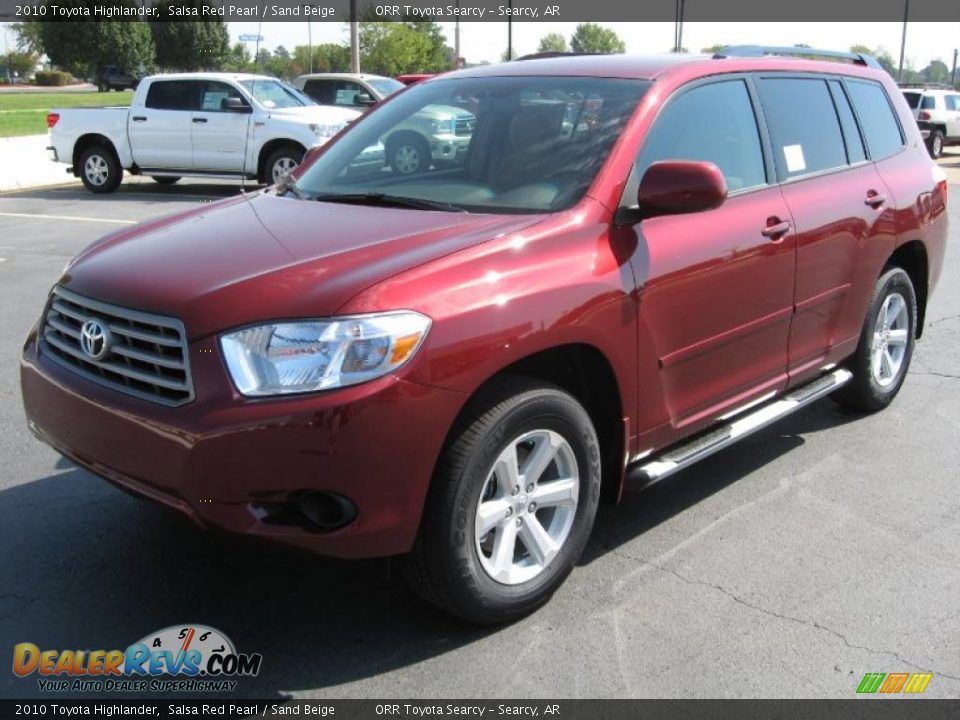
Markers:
319,114
262,257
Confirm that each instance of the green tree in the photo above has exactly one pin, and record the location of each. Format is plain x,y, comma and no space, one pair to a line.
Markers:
880,54
936,72
713,49
552,42
84,48
238,59
189,45
20,64
593,38
394,48
28,36
327,57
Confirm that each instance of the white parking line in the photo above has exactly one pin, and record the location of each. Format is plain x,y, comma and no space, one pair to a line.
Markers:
68,217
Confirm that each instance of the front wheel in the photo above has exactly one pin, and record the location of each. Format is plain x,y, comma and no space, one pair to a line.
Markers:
511,505
883,355
409,154
100,170
282,162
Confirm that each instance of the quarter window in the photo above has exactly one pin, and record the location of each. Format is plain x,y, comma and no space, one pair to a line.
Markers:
710,123
880,126
804,126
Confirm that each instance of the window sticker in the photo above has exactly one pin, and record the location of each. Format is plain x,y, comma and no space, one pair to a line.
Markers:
793,154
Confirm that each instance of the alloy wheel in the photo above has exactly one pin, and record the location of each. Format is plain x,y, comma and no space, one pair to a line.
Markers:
890,336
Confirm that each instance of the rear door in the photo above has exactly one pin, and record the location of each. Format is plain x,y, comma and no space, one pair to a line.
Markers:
953,116
717,286
841,209
160,131
218,136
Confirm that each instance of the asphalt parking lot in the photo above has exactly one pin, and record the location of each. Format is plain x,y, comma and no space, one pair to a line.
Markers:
820,549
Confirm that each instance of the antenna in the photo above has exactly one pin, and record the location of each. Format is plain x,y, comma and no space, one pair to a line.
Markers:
246,138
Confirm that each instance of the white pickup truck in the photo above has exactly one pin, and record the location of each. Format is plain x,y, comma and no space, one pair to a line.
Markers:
197,124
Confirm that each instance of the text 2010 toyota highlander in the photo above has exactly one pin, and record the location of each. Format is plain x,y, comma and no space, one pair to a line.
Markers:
637,262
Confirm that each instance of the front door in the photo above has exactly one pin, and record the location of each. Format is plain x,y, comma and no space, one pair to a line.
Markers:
219,136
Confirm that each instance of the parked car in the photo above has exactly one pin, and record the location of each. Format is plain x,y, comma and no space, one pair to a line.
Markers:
198,125
437,134
115,78
414,78
358,91
937,110
456,368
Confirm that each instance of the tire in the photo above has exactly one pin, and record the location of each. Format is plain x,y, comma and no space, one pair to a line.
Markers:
102,88
100,170
164,179
892,314
280,162
935,144
459,572
409,154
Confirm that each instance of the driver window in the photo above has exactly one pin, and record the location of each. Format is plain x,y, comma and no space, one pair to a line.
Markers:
710,123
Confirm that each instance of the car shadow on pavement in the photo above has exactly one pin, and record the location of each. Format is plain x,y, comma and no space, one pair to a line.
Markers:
135,192
87,566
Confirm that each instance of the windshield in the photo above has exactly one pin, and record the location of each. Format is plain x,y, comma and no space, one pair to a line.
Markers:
274,94
913,99
385,86
496,144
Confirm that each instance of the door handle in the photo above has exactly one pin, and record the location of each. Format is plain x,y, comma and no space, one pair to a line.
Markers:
138,118
874,199
776,230
199,120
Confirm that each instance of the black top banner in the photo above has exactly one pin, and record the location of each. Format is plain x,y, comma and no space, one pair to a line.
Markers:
483,10
494,709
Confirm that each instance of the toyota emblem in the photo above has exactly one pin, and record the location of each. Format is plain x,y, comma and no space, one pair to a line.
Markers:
95,339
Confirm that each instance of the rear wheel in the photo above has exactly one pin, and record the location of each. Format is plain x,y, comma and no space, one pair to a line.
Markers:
511,506
883,355
100,170
164,179
935,143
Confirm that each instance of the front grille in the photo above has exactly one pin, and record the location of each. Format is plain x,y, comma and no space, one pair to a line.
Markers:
146,355
464,126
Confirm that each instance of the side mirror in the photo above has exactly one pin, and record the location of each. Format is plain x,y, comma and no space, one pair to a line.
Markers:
364,99
677,187
235,104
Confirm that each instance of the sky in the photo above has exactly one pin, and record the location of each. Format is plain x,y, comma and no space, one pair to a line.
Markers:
481,41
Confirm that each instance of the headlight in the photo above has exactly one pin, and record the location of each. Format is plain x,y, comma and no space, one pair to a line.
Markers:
442,127
327,130
296,357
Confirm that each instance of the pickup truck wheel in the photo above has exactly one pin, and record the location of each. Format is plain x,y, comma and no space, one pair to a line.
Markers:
100,170
409,154
511,505
164,179
935,144
282,162
883,355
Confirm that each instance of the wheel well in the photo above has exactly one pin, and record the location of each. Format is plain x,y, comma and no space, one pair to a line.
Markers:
912,258
268,149
585,373
401,134
88,140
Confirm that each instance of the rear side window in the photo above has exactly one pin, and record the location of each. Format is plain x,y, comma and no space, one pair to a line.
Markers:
929,102
851,134
953,102
803,123
880,126
711,123
913,99
320,90
173,95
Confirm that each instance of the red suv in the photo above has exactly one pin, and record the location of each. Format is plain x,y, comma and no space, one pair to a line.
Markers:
635,263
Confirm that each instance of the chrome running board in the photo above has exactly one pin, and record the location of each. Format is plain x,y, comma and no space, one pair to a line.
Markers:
649,471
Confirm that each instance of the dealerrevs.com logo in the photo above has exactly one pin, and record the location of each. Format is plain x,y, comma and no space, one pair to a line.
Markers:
180,658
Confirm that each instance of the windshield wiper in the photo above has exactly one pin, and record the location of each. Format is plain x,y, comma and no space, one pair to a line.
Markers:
386,200
288,186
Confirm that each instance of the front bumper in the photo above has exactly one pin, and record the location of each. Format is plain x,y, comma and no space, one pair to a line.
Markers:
221,458
449,148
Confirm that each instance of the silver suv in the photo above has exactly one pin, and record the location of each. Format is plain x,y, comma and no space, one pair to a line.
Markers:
436,136
937,111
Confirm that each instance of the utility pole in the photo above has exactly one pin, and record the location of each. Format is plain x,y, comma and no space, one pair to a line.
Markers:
310,43
456,39
510,31
953,73
680,27
903,40
354,38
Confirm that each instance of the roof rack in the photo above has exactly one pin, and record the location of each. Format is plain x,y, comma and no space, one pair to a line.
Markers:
762,50
553,54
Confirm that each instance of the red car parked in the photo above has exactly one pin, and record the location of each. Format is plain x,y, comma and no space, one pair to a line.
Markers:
637,262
